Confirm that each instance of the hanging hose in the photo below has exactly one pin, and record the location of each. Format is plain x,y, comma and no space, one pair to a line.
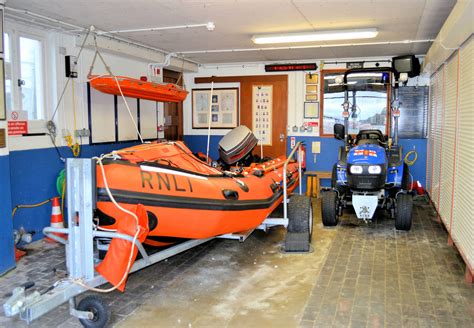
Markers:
29,206
61,187
407,159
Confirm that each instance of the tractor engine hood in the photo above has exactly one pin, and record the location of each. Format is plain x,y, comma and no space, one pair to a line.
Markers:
367,154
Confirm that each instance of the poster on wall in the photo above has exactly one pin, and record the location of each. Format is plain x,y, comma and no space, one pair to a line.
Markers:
262,104
224,105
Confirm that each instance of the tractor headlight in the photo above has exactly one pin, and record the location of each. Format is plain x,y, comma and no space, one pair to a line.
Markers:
375,169
356,169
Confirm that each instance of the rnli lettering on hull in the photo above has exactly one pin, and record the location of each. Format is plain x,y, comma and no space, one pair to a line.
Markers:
161,181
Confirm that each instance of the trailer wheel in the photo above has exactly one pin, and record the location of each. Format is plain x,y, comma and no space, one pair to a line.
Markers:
300,215
99,309
403,214
300,224
329,208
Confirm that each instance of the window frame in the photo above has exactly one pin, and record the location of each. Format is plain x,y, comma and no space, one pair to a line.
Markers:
16,32
321,103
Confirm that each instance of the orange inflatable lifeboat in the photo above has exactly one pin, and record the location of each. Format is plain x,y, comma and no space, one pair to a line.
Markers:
137,88
184,196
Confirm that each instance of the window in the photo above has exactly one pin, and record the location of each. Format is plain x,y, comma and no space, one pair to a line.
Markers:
30,81
24,76
368,98
8,73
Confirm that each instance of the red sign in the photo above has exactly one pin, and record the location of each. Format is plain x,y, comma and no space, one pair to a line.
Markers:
365,152
290,67
17,128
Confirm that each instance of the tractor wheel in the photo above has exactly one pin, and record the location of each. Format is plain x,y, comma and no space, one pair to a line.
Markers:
99,309
300,224
406,179
334,176
329,208
404,210
300,215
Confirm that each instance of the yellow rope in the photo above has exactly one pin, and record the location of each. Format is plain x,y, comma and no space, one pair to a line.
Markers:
72,143
29,206
63,194
408,161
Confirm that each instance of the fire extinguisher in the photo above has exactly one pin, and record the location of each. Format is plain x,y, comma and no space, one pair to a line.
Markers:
302,155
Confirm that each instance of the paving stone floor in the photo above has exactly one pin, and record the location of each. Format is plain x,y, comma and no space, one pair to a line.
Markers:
358,275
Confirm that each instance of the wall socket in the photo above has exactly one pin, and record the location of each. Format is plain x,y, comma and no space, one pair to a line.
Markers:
83,133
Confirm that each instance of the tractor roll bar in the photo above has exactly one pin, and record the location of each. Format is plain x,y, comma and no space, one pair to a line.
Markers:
368,70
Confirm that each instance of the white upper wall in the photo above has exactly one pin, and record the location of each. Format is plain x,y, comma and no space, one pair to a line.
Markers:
56,46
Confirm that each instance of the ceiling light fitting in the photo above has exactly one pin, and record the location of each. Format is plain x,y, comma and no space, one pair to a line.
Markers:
210,26
366,33
313,46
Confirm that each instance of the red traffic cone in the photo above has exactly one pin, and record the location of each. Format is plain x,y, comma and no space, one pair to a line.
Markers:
57,220
18,254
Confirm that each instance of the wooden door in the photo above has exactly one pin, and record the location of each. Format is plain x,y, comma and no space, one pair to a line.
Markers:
173,112
279,85
278,115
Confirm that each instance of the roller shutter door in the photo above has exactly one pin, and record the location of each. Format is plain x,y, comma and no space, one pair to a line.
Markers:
463,216
448,138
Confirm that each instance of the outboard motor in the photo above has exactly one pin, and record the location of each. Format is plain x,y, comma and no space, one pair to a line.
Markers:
236,145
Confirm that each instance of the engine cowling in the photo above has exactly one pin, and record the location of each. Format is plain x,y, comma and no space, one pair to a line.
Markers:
367,167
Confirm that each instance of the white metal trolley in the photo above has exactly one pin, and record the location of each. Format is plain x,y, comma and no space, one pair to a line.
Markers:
80,256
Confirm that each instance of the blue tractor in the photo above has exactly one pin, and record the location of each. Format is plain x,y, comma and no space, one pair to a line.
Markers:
370,172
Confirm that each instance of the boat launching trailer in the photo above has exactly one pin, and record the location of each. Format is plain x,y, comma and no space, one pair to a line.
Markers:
81,256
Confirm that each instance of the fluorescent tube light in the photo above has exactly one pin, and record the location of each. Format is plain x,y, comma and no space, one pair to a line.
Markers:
316,36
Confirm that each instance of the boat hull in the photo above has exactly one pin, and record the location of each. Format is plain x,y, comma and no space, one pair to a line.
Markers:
188,205
138,89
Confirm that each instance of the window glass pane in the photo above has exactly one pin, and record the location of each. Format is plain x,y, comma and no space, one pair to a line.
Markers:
31,78
6,45
8,73
367,98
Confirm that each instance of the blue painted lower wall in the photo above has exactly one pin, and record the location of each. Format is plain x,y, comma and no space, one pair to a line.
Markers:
199,143
33,176
7,254
328,156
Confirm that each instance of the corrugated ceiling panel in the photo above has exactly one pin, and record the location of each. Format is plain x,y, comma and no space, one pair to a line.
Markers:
448,138
463,223
437,132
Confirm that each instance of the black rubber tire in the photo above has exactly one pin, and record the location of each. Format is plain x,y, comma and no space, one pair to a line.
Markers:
334,176
96,305
406,179
329,208
403,212
300,215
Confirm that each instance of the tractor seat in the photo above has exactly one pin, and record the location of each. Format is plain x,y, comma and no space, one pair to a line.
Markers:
374,137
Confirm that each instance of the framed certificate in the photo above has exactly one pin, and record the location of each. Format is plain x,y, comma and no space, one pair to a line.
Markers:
221,110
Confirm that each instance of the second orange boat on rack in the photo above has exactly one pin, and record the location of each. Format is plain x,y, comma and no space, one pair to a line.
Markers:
137,88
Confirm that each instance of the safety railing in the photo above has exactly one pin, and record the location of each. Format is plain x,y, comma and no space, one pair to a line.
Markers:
285,191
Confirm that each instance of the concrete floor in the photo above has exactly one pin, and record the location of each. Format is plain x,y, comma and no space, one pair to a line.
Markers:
358,275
